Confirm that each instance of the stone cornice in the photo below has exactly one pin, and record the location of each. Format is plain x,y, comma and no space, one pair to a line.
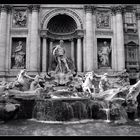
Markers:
48,34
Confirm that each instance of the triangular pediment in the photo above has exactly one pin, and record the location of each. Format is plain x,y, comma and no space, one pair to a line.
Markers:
132,43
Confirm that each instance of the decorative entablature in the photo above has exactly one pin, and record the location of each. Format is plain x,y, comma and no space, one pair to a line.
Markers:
75,34
111,9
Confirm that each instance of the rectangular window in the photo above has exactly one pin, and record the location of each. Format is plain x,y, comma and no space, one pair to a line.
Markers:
130,18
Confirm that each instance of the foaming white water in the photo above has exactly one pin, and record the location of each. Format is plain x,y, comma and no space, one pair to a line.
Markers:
63,122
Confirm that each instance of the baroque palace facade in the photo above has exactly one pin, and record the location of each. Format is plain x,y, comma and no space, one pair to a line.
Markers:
28,34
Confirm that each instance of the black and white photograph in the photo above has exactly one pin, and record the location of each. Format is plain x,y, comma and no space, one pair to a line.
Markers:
69,69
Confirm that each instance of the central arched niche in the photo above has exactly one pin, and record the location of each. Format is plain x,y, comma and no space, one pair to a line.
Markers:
61,24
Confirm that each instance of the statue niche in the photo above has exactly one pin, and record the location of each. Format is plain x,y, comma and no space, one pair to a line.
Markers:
104,53
18,58
61,67
61,63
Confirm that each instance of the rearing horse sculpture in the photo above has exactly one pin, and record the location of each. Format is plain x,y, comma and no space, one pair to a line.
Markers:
120,95
23,80
87,84
133,92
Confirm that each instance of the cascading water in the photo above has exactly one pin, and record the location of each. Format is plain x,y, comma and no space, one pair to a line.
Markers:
107,110
65,102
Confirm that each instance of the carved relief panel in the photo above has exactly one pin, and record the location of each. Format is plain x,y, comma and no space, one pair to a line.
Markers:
18,56
19,18
103,20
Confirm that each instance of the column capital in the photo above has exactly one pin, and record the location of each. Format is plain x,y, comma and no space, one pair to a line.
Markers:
79,37
119,9
51,40
113,10
5,8
72,39
89,8
94,10
44,36
34,8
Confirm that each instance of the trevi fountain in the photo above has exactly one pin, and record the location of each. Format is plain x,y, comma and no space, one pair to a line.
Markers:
64,102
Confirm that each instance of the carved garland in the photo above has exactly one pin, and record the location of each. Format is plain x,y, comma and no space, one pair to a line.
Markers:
62,11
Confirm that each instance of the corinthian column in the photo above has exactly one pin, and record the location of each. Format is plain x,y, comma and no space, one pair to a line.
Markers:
50,53
89,40
79,55
7,54
34,46
72,51
44,53
120,39
114,44
138,20
95,59
3,36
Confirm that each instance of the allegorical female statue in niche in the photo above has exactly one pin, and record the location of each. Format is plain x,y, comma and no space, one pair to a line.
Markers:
104,54
19,56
